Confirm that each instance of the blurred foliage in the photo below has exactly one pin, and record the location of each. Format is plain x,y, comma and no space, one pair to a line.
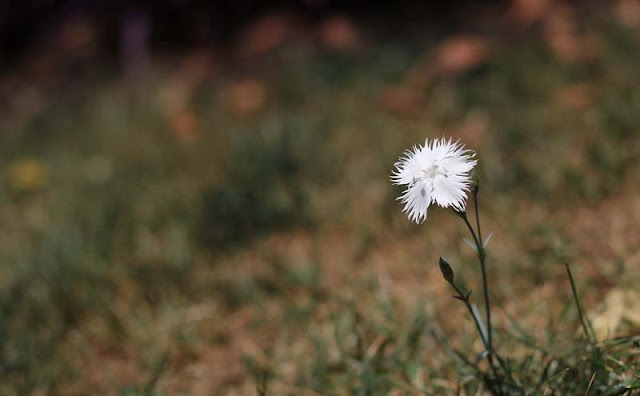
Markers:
264,184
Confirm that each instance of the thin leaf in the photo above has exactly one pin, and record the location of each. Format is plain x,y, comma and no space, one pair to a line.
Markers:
486,241
473,245
586,326
478,318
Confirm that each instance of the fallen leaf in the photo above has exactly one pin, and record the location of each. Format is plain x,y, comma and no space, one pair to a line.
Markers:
175,94
575,96
526,12
618,305
184,125
561,37
459,54
339,33
403,101
196,68
628,12
245,97
77,34
266,34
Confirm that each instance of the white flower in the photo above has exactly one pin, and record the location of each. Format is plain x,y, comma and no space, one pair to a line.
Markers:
438,172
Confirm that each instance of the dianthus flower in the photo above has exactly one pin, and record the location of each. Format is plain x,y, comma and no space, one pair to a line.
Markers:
438,172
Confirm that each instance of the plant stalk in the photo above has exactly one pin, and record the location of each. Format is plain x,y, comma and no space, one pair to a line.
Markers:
465,299
482,256
462,297
588,331
485,288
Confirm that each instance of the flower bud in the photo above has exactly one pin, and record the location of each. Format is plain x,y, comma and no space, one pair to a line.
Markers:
447,272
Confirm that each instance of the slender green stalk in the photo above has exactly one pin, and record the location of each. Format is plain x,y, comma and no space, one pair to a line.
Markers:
463,215
482,255
485,288
477,238
475,207
465,299
585,324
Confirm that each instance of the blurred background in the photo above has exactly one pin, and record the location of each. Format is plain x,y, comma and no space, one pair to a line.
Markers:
195,196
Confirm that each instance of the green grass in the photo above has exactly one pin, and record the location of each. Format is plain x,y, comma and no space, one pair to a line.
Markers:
270,252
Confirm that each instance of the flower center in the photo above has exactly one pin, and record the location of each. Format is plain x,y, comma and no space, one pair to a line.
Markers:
433,170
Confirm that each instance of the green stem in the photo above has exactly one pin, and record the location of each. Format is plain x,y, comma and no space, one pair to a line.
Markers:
462,297
475,206
485,288
482,256
473,233
465,299
585,324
